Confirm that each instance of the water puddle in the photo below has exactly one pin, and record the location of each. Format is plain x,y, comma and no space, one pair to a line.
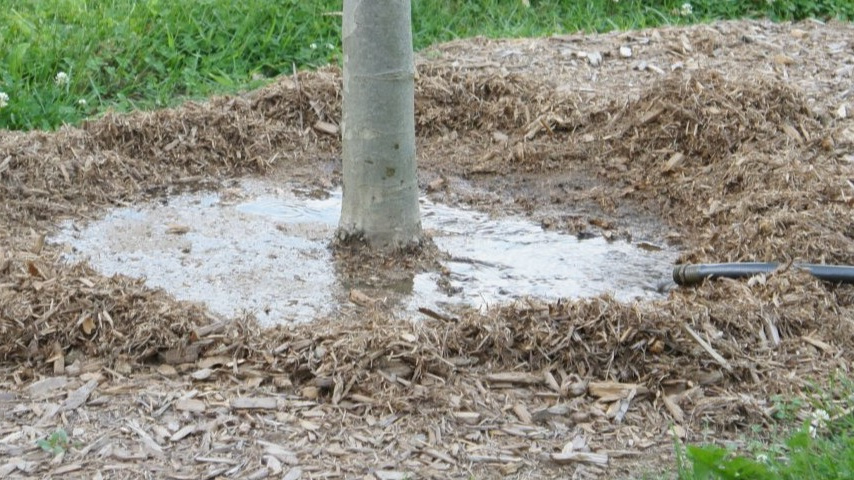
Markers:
263,249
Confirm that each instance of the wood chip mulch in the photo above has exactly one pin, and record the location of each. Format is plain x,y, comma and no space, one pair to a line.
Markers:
738,136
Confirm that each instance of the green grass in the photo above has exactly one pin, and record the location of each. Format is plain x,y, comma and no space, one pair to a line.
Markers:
143,54
149,53
821,448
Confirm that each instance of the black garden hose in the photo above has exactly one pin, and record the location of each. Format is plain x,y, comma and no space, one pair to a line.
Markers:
692,274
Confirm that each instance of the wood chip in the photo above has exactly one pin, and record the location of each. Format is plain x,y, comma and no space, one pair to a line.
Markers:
673,408
71,467
202,374
310,426
310,392
183,432
575,389
826,348
514,377
470,418
8,397
792,133
361,298
46,385
205,330
551,381
79,396
167,370
326,127
440,456
493,459
259,474
190,405
437,315
391,475
621,453
781,59
282,454
708,348
177,229
651,115
610,391
435,185
181,354
544,414
577,444
252,403
624,406
522,413
562,458
655,68
150,444
594,58
13,464
273,463
225,460
294,473
771,330
675,160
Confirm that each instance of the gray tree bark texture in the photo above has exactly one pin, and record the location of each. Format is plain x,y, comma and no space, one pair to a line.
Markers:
380,204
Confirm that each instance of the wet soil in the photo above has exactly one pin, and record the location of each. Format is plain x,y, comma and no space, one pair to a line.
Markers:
267,250
733,141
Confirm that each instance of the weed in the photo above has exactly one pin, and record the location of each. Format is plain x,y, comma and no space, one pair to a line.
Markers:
56,443
822,447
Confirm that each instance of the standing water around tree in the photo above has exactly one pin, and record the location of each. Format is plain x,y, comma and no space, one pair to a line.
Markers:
259,249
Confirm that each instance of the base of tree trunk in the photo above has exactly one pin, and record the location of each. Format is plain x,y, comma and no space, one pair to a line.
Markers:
345,239
356,260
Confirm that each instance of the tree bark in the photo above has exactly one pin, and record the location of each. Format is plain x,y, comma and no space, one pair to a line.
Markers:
380,203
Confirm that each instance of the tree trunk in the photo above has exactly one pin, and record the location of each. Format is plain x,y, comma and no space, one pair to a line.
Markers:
380,204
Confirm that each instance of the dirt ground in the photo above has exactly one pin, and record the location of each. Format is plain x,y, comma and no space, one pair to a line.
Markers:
732,141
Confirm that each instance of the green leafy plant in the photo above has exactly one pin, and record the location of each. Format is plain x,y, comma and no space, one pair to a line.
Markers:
820,448
56,443
712,462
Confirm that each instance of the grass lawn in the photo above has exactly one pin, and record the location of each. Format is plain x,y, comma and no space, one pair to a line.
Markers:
64,60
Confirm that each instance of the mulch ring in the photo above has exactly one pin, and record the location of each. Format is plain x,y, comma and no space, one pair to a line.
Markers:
740,163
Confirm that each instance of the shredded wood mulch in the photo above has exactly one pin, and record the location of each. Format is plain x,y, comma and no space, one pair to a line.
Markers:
737,136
